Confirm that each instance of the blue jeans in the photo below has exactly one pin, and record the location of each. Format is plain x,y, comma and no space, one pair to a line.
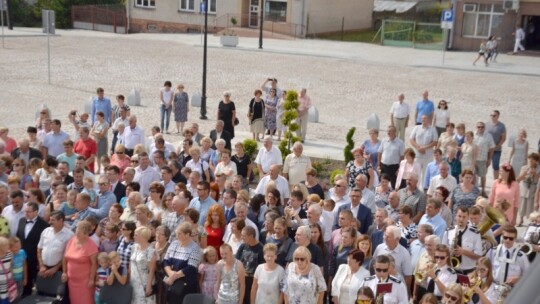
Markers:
165,117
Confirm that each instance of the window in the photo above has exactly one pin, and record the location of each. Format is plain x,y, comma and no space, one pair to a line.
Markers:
483,20
275,10
187,5
212,7
145,3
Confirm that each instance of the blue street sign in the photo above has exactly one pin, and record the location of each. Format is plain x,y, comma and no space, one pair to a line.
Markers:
202,7
447,16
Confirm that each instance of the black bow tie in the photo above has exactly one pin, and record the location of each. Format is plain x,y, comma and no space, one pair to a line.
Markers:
29,222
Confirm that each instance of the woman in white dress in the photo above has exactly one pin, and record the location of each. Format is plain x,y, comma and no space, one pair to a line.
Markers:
469,152
348,278
142,267
518,154
268,279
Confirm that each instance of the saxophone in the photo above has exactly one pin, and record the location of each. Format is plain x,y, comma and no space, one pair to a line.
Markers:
454,260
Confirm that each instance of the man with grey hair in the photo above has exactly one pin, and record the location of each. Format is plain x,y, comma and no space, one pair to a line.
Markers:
128,176
304,104
418,246
280,182
391,246
303,238
241,211
444,179
268,155
133,135
424,139
220,132
134,199
413,197
176,217
390,154
25,152
368,197
296,164
399,116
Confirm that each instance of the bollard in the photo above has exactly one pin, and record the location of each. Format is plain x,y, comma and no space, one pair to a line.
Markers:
313,115
134,98
373,122
196,100
88,106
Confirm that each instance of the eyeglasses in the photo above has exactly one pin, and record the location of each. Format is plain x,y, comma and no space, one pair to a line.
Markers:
337,186
43,112
103,184
119,152
479,127
381,270
440,257
451,297
299,259
509,238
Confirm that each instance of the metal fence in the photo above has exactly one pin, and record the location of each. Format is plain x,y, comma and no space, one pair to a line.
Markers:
249,21
105,18
412,34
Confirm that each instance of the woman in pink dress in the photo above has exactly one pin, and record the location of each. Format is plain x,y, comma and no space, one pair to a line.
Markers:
120,159
406,167
506,187
80,265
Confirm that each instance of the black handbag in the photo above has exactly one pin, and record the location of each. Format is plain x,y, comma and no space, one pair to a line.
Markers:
236,121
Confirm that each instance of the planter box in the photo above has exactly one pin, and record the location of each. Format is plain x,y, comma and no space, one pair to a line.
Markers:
231,41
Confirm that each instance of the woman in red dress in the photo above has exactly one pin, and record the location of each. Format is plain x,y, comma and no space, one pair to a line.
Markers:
215,226
80,265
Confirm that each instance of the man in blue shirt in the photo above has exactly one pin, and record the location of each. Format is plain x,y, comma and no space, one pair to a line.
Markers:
106,199
203,202
433,218
103,104
424,107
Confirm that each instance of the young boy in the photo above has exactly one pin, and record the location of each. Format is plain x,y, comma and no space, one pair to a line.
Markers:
89,189
102,273
68,207
19,264
110,240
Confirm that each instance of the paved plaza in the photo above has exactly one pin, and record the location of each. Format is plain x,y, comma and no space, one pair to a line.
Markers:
346,81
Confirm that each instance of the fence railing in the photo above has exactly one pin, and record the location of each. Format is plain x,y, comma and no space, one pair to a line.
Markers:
272,26
106,18
412,34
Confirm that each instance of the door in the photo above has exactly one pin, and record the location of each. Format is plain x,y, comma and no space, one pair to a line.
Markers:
254,13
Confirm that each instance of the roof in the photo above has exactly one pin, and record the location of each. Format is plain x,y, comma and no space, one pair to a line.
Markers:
390,6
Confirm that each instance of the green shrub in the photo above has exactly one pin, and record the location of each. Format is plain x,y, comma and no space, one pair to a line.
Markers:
250,146
347,151
334,173
288,121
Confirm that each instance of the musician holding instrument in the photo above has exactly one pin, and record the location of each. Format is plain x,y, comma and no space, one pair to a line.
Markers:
453,294
398,294
425,262
464,241
483,293
509,262
442,274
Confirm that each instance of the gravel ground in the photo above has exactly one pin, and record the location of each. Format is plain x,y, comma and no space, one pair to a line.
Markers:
345,91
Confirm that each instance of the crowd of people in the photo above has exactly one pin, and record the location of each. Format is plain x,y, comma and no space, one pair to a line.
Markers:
405,221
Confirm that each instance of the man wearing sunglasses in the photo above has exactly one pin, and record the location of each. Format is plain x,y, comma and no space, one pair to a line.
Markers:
509,262
398,294
464,241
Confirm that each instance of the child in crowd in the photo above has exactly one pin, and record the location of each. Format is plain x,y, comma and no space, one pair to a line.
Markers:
68,207
102,274
208,271
328,205
110,240
5,272
532,234
93,236
118,272
19,266
105,162
89,189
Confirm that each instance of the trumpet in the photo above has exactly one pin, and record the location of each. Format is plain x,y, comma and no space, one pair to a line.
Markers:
469,292
421,276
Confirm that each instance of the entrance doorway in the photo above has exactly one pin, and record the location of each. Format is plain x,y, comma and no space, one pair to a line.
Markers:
254,13
531,26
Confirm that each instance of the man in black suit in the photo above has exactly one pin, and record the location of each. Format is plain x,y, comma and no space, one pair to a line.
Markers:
119,190
229,197
24,151
218,133
29,232
360,212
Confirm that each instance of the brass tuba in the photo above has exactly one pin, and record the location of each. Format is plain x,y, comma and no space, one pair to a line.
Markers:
492,216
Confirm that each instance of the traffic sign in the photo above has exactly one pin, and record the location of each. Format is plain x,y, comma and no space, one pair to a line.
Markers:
3,5
447,18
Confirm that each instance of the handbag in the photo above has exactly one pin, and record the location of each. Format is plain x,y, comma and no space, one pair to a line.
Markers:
177,288
236,121
12,286
154,286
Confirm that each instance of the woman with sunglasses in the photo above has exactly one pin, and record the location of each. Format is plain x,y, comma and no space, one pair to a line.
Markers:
484,293
120,159
126,242
19,170
365,296
453,294
441,117
441,274
304,282
348,278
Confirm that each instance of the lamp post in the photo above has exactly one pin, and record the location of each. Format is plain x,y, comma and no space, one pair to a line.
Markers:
203,97
261,25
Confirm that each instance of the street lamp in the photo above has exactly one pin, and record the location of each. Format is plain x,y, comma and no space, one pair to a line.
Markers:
261,26
203,97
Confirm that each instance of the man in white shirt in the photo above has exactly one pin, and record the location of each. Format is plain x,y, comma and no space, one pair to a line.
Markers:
267,156
296,164
14,212
304,104
399,116
122,119
52,244
340,195
145,174
424,139
391,246
443,179
133,135
166,179
241,210
281,183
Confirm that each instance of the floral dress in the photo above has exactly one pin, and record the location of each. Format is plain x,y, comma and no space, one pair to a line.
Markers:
209,273
461,198
354,171
139,263
381,198
270,114
302,289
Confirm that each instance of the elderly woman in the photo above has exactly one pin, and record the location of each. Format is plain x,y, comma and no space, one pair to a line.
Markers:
226,166
120,159
255,115
446,138
270,111
227,113
371,148
406,224
143,215
125,244
181,265
160,247
206,148
359,166
80,265
99,132
312,183
19,170
348,278
243,163
155,201
142,267
469,152
196,163
383,190
180,107
406,167
216,157
528,179
304,282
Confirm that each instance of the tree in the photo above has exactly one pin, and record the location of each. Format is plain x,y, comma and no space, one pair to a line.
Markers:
289,122
347,151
